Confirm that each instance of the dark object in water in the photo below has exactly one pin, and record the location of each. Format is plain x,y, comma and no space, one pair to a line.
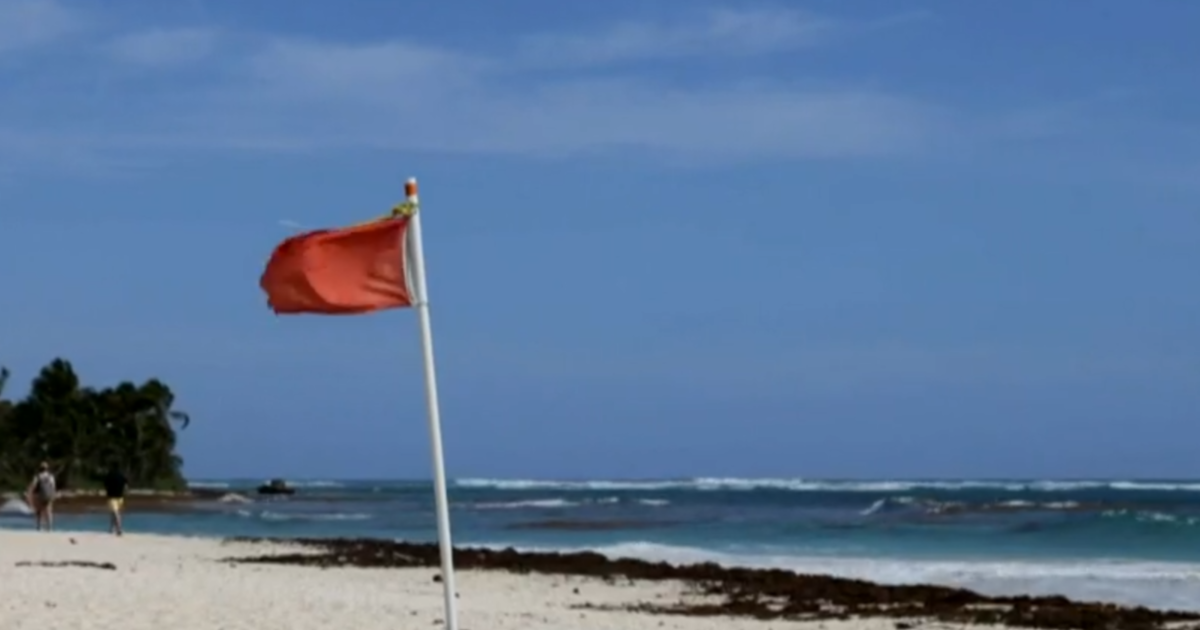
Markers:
276,487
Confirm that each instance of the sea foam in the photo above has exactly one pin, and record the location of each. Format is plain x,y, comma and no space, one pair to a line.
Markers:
1161,585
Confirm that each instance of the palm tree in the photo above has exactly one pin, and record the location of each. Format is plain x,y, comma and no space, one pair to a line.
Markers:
157,439
84,430
8,452
64,413
5,406
121,428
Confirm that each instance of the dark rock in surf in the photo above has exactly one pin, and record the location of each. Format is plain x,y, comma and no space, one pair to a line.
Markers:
276,487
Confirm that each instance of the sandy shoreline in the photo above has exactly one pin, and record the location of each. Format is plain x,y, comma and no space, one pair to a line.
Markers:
144,582
181,583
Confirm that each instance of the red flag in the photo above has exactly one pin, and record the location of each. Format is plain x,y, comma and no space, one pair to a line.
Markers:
345,271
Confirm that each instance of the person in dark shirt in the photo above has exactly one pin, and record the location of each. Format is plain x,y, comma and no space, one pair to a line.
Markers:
115,484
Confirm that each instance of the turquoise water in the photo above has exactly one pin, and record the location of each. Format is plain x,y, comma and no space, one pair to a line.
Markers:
1130,542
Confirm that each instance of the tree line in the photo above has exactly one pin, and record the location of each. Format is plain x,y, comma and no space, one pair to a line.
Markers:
82,431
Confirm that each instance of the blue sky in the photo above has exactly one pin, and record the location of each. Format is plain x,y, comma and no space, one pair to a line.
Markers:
868,239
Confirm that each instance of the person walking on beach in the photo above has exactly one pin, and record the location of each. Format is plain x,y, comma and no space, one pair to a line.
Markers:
40,495
115,484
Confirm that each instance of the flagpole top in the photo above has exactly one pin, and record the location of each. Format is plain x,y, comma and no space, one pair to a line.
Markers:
409,207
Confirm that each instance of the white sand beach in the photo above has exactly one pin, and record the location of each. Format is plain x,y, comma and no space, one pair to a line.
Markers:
165,582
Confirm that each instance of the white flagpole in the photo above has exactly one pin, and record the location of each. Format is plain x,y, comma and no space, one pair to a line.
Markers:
417,257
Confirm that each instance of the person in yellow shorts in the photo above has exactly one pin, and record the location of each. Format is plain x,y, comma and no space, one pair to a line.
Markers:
115,485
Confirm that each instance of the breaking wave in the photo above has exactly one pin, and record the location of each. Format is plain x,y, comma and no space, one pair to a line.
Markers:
1161,585
268,515
14,507
558,503
523,505
805,485
1161,518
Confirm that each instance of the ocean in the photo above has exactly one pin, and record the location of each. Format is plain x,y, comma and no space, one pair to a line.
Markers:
1129,542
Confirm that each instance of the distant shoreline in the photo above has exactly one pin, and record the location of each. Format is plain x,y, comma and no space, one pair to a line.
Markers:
136,500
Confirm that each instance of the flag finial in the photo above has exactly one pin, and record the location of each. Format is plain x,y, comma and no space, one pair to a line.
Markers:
409,206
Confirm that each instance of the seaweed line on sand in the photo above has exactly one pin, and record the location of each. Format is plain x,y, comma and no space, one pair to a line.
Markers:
737,592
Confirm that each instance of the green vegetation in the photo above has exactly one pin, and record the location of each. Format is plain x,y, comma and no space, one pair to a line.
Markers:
81,431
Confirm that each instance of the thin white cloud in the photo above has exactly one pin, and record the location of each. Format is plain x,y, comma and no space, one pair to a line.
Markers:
30,23
720,32
164,47
390,70
403,95
274,92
